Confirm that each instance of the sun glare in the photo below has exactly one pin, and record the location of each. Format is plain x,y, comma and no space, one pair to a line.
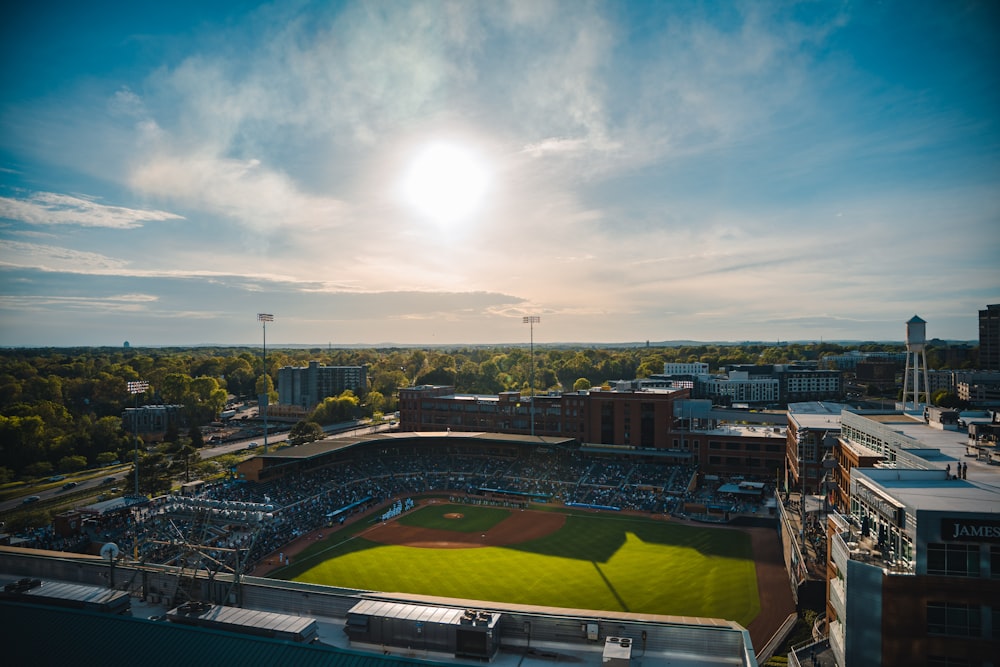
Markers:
445,183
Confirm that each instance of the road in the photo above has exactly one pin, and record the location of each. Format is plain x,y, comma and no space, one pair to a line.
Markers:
97,481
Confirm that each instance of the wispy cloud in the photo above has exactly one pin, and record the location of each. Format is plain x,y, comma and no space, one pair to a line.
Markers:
50,208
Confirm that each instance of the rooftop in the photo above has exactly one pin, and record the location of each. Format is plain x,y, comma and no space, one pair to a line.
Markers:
932,491
816,415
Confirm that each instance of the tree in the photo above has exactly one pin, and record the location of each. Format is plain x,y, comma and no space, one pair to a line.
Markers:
334,410
21,441
305,431
259,388
197,439
72,463
947,399
185,457
154,474
38,469
375,401
106,458
581,384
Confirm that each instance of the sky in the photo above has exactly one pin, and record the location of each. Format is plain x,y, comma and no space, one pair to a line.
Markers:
430,173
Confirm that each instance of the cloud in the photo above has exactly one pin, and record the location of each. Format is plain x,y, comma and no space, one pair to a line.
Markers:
242,190
54,258
50,208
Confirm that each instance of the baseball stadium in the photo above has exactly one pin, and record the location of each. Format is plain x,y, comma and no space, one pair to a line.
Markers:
464,548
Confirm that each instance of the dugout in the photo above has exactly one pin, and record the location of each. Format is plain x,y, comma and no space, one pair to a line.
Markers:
465,633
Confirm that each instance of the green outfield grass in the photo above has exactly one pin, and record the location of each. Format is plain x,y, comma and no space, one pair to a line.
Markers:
596,561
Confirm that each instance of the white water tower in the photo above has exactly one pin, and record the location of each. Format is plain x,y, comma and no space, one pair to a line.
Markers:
916,359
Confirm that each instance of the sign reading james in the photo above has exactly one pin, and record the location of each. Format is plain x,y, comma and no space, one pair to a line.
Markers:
970,530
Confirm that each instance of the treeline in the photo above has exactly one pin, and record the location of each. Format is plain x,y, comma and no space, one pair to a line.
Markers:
61,409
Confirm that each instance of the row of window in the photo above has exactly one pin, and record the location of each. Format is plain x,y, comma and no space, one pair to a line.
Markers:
954,619
960,560
744,446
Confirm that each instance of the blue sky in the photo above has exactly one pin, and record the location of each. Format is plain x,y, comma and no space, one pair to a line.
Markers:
431,172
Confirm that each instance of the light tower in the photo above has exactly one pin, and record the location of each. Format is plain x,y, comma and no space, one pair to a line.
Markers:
531,321
136,387
916,358
264,318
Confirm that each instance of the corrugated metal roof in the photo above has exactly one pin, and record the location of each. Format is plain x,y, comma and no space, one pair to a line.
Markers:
250,618
42,636
416,612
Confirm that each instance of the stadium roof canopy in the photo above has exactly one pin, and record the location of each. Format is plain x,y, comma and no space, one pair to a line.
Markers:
327,445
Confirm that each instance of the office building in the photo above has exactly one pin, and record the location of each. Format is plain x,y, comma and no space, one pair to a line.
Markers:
989,338
913,565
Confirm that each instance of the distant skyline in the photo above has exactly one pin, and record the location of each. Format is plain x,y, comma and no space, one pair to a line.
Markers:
428,173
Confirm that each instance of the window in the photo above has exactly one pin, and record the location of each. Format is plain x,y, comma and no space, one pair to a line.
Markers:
953,560
953,619
995,562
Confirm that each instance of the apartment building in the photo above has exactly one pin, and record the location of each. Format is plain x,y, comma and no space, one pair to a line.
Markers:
306,386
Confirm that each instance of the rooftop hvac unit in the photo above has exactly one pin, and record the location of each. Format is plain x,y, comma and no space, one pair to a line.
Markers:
617,652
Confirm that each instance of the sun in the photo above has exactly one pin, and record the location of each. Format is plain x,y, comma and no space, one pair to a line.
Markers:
445,182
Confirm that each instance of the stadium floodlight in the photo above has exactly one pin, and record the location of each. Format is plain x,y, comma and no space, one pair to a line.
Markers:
264,318
136,387
531,321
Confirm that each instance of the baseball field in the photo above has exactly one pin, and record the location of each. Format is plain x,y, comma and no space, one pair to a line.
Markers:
573,559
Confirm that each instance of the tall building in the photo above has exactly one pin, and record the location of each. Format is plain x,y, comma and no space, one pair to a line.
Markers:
306,386
989,338
913,564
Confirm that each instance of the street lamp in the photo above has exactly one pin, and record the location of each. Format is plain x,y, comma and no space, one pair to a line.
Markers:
531,321
136,387
264,318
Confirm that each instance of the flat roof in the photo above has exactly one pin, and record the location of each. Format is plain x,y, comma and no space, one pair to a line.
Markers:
251,619
816,415
943,448
424,613
931,488
935,494
742,431
83,595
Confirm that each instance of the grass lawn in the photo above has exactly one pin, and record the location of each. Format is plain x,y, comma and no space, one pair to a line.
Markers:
602,562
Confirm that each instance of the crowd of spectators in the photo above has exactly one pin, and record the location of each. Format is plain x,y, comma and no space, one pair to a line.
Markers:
305,501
